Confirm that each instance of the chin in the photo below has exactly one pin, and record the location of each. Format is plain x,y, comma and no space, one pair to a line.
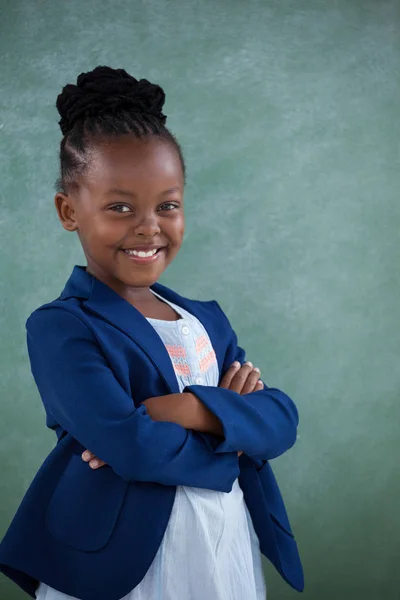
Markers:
141,279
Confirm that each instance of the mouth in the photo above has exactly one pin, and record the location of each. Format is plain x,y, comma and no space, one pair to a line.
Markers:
143,255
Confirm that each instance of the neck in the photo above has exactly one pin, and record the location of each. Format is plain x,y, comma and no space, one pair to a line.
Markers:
133,295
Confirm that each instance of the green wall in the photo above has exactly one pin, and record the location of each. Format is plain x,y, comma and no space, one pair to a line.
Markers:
288,112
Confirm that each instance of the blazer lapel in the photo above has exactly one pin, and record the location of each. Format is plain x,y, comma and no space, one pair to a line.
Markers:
110,306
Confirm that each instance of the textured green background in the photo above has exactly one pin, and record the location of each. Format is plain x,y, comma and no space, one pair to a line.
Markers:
288,112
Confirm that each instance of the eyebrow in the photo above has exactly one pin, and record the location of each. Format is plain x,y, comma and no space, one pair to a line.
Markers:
127,194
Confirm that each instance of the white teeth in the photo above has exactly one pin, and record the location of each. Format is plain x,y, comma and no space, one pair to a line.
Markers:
141,254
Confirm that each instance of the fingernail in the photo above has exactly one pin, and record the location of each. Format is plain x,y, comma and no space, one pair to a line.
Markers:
250,364
86,456
257,370
259,381
94,463
236,364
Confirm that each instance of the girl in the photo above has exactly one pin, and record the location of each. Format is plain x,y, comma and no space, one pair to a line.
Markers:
148,382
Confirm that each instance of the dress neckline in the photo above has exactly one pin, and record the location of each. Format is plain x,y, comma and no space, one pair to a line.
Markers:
167,323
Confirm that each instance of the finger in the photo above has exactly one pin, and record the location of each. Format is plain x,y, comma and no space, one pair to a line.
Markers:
251,381
227,378
96,463
240,377
87,455
259,386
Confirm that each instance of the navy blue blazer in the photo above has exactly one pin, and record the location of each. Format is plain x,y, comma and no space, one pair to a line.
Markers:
93,534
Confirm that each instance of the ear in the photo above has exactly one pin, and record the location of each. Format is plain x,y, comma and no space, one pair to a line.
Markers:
66,211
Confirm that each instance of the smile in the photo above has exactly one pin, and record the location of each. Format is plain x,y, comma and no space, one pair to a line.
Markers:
143,256
140,253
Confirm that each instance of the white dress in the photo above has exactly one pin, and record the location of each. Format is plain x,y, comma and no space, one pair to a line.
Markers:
209,549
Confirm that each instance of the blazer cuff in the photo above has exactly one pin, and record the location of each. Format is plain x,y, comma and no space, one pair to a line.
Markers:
219,402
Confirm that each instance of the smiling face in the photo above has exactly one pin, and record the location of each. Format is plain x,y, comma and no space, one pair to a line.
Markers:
128,211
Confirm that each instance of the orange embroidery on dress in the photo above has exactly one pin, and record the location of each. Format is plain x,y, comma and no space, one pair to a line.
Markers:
183,370
201,344
178,358
176,351
205,353
207,361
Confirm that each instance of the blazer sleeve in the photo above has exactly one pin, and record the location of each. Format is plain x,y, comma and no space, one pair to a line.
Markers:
262,424
79,389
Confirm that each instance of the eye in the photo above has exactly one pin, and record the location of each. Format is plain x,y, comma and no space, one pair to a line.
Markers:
120,208
168,206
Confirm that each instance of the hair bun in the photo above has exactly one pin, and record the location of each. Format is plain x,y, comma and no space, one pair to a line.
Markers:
108,91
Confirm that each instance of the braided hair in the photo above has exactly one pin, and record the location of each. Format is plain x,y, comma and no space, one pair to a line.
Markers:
106,102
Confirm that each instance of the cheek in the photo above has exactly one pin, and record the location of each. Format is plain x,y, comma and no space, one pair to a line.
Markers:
100,231
180,228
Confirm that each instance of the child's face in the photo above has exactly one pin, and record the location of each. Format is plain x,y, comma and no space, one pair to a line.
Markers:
130,197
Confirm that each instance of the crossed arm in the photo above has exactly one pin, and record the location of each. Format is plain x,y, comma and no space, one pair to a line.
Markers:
187,410
81,393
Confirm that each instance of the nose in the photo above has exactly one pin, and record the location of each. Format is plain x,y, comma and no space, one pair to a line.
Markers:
148,226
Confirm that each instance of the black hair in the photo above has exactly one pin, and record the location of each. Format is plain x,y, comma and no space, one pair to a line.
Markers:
107,102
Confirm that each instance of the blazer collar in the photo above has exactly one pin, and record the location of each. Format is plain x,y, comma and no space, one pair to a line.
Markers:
103,301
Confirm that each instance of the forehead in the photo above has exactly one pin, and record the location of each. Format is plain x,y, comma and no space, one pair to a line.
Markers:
133,163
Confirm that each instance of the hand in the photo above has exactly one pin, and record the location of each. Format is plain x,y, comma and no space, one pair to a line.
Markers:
94,462
243,380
